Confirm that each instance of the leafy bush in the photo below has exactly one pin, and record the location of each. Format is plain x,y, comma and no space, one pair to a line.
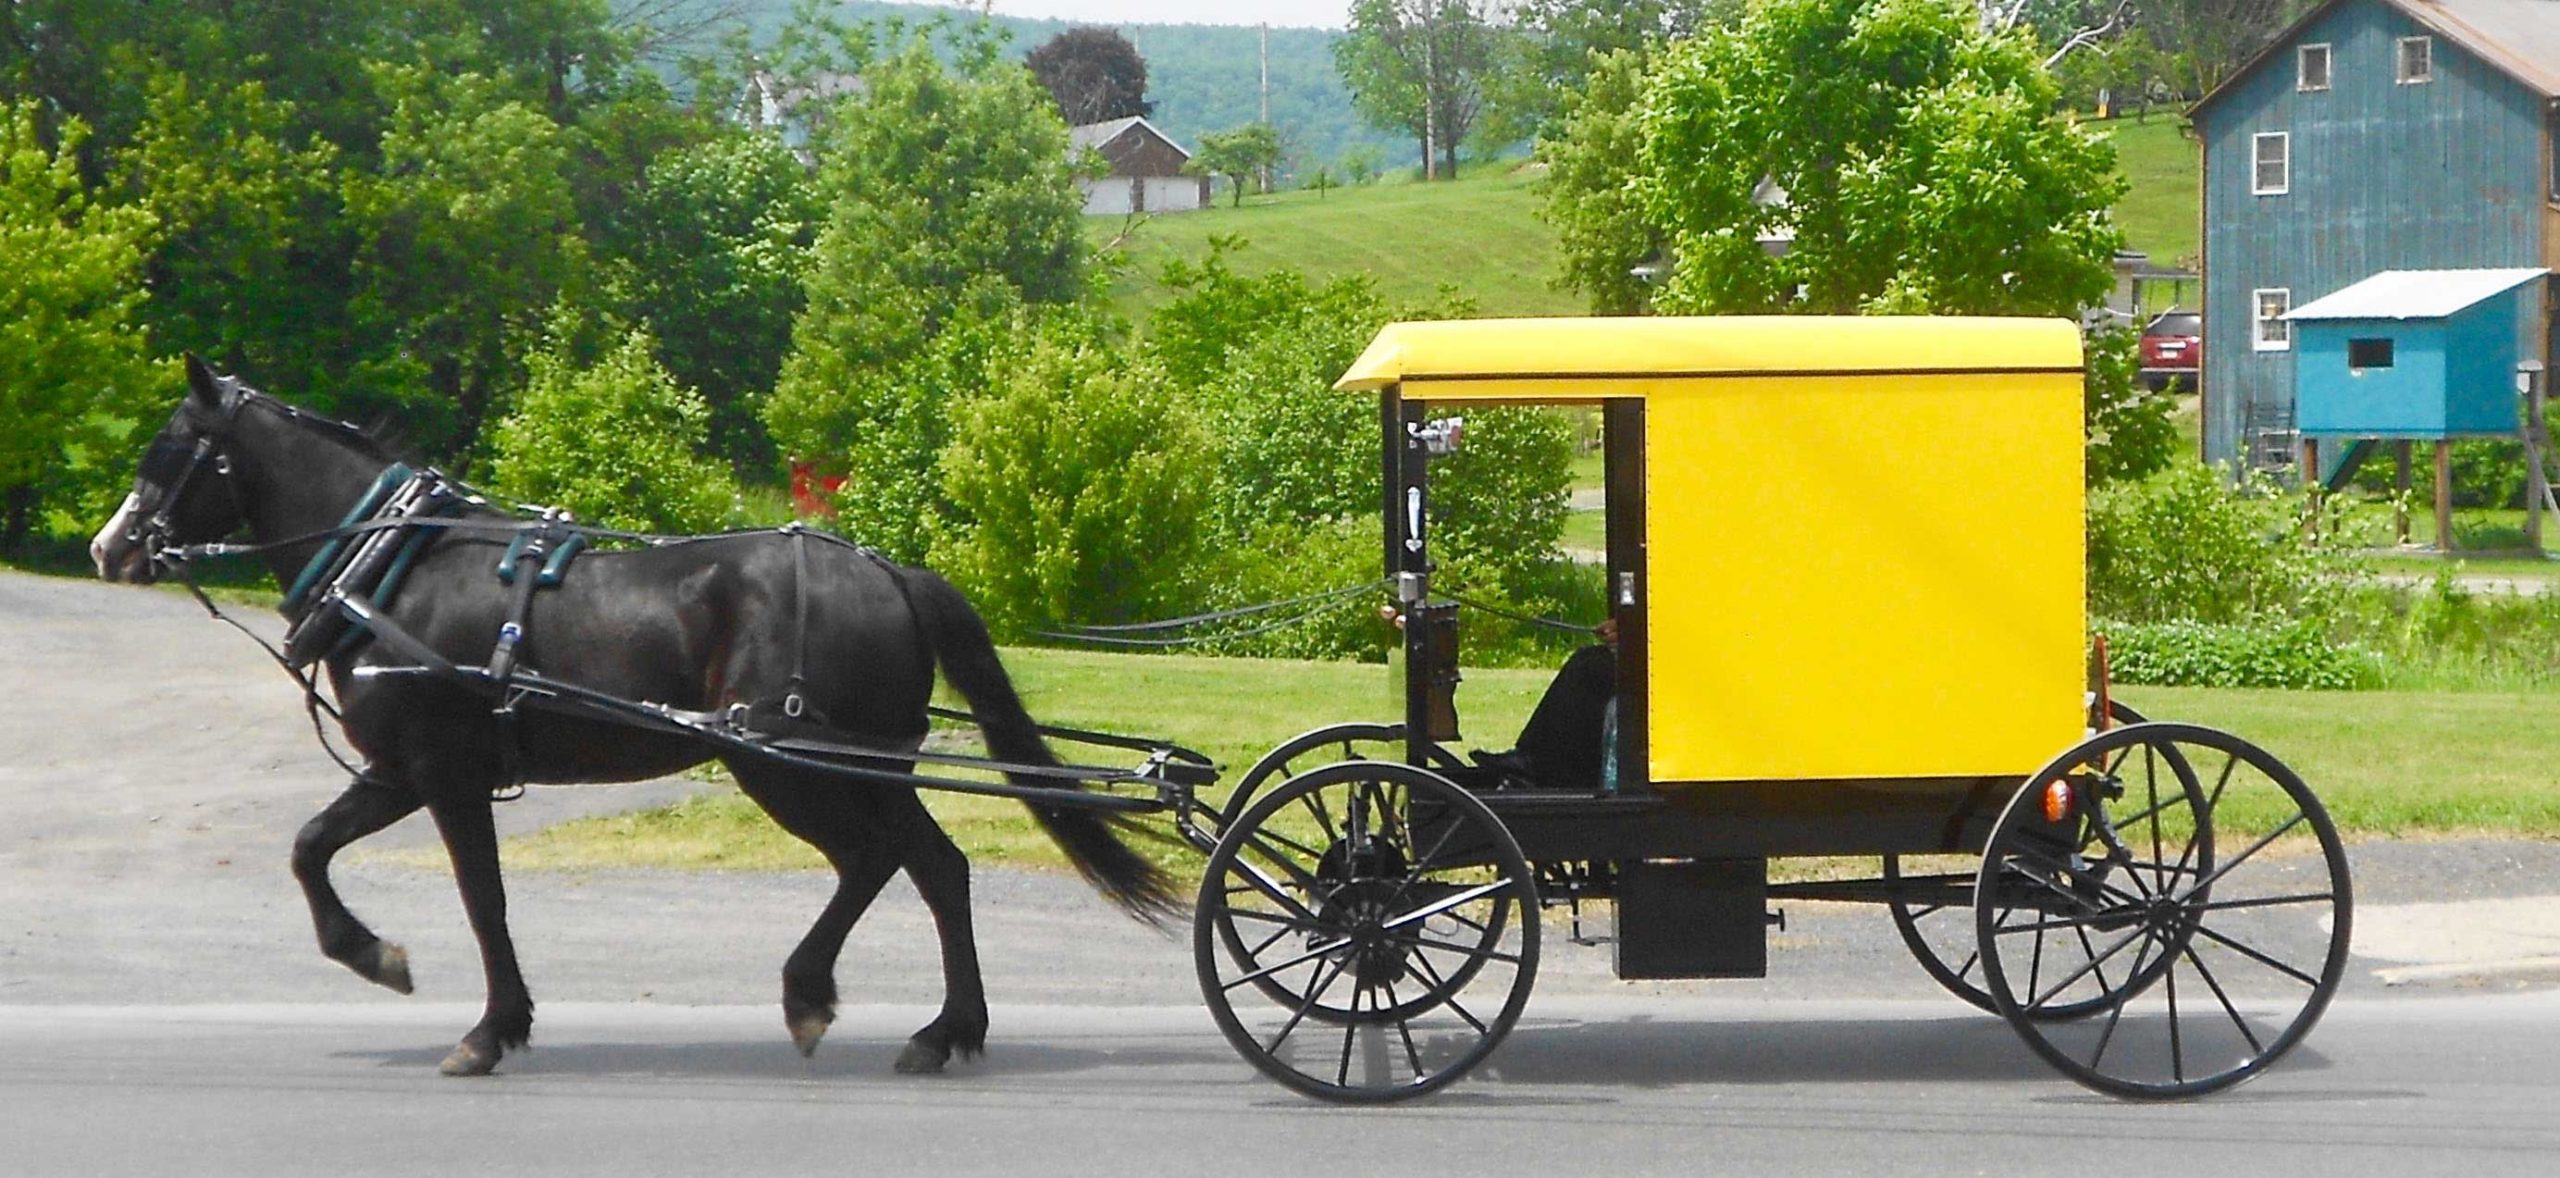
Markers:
618,442
2190,546
1073,498
2487,472
2296,655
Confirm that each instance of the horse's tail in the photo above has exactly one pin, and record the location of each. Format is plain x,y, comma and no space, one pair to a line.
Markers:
968,657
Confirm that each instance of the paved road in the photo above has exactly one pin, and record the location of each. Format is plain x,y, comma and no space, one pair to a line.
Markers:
153,768
1587,1086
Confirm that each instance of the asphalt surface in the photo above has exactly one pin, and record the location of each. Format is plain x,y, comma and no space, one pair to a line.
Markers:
162,1006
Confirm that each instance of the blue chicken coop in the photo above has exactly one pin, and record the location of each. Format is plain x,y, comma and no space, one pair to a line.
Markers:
2407,356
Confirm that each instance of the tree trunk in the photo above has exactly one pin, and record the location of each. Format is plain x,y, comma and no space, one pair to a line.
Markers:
17,516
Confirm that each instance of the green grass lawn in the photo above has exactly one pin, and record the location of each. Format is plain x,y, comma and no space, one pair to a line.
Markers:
1478,234
2160,212
2385,763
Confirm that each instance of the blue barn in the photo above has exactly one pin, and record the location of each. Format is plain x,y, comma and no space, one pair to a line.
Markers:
2372,136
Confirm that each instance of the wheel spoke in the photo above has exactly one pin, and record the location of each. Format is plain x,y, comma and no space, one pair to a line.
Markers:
2261,958
1311,954
1446,903
2268,902
2177,1046
1452,947
1314,992
2298,819
2224,999
2083,971
1404,1030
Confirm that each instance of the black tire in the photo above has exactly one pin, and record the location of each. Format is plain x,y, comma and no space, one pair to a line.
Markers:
1940,931
2243,909
1392,880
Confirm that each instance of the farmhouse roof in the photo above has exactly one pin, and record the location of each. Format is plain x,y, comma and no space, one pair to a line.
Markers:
1094,135
2415,294
2519,38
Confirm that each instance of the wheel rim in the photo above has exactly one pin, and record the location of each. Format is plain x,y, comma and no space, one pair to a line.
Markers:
1942,934
2200,874
1366,931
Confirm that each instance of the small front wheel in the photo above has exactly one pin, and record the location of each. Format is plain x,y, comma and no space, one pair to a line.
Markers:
1366,932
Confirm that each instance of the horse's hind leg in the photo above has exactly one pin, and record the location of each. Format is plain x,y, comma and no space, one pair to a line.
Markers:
941,875
471,838
830,816
366,807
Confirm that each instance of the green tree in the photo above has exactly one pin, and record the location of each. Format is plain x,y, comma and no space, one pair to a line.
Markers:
1421,67
714,254
1075,489
468,230
951,201
1913,163
75,372
1603,228
617,441
1239,154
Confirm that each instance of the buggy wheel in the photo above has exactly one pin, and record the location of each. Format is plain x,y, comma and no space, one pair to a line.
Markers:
1366,932
2230,913
1938,923
1322,746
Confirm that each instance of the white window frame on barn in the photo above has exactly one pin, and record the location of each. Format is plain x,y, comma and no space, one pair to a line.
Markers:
2268,331
2282,159
2415,69
2304,79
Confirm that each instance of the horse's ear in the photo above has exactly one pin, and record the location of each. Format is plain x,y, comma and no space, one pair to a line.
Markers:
202,384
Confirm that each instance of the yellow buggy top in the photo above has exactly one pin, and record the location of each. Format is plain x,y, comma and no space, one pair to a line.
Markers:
1839,548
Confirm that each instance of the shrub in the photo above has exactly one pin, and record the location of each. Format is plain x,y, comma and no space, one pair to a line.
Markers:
1073,495
2188,545
618,442
2295,654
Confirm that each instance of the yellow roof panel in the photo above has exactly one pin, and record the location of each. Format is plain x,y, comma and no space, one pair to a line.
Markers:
1571,351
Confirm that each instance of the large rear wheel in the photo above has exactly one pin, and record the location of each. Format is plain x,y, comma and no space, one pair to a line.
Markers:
1366,932
2187,860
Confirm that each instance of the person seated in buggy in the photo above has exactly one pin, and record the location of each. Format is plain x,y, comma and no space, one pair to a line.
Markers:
1563,744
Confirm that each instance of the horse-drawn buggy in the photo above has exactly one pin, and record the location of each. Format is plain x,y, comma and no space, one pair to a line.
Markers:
1844,570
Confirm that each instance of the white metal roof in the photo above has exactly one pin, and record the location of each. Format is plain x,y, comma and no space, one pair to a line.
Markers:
2415,294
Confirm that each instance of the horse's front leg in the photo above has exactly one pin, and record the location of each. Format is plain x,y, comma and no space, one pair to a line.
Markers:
471,839
366,807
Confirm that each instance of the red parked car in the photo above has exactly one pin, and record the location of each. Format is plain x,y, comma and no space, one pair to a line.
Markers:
2173,349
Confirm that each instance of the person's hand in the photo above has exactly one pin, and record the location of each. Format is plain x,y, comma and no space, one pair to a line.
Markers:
1608,631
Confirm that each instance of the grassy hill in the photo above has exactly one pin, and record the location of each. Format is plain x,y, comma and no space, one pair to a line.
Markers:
2161,214
1479,234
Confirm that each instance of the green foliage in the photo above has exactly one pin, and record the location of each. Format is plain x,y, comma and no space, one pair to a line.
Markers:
1074,497
1602,229
2187,545
1237,154
951,201
2130,432
472,191
1422,67
618,442
2297,655
714,247
75,372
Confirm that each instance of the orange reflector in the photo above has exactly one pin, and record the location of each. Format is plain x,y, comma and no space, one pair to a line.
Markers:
2057,801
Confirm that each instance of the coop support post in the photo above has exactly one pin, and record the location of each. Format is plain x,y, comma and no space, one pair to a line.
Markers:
2403,460
2444,494
2537,442
2311,484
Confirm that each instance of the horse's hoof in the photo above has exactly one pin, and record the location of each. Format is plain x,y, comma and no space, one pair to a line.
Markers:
391,968
922,1059
467,1060
806,1030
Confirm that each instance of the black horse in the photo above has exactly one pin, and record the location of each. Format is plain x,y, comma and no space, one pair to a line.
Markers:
701,625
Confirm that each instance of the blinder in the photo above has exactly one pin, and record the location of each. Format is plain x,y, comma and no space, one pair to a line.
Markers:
211,427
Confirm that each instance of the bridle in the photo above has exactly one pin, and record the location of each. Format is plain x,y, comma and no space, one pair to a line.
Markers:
211,427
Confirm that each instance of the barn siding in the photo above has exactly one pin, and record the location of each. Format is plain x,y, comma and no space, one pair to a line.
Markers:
2385,176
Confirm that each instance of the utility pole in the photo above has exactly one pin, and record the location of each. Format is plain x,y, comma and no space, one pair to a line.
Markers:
1266,95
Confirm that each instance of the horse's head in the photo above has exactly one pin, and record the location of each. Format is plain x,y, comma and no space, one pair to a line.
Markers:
182,493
